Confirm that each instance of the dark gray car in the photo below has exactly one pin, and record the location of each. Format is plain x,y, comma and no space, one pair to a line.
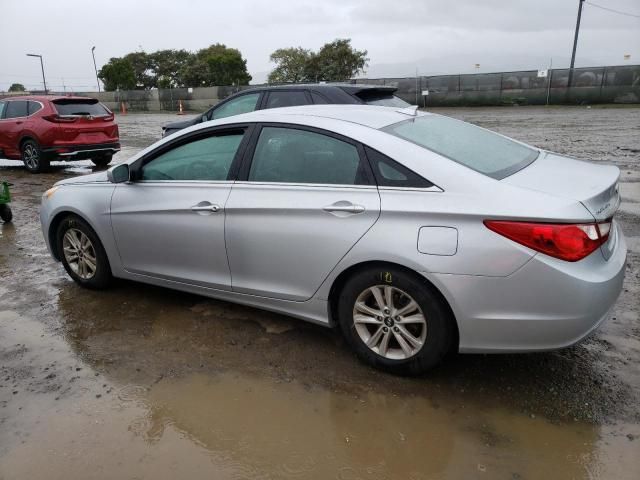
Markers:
277,96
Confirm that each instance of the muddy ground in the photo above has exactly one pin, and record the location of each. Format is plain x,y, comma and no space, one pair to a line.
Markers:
143,382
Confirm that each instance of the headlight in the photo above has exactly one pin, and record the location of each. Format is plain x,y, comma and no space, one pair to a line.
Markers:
49,193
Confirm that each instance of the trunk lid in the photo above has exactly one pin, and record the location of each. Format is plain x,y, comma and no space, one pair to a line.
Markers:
594,186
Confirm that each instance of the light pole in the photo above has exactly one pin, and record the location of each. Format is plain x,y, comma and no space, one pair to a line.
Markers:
94,66
41,66
575,43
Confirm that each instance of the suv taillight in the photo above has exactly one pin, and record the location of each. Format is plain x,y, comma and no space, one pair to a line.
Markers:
58,119
570,242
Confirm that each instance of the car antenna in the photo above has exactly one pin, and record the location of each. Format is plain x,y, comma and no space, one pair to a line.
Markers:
411,110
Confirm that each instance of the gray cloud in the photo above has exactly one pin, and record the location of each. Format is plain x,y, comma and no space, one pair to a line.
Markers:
435,36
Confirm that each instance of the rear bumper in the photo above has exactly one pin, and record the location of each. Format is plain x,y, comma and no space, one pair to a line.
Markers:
546,305
81,152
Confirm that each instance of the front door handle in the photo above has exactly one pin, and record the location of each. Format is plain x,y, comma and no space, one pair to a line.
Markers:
345,207
205,207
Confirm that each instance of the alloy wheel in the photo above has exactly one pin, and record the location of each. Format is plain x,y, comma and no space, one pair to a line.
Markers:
389,322
79,253
31,156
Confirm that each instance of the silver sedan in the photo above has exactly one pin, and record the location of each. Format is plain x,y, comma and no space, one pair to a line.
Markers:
415,233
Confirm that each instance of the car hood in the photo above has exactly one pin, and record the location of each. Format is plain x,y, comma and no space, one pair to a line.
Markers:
91,178
595,186
181,123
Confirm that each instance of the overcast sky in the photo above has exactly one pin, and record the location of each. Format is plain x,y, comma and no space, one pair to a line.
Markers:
434,36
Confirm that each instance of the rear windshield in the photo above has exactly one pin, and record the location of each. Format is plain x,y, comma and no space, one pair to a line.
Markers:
382,100
481,150
70,106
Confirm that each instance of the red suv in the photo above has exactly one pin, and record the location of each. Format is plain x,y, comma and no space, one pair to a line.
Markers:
38,129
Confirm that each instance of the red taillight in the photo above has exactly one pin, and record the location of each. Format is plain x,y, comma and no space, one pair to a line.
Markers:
58,119
570,242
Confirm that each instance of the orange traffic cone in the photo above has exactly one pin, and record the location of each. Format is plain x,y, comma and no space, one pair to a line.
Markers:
180,108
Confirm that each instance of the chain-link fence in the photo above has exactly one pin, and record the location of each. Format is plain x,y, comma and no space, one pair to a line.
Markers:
619,84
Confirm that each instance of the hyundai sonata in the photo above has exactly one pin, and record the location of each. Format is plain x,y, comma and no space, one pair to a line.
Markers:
414,233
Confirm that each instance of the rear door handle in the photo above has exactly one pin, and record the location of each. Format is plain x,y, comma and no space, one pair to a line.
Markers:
205,207
346,207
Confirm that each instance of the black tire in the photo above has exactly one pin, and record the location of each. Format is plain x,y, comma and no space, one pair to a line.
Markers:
5,213
101,277
32,157
103,160
440,325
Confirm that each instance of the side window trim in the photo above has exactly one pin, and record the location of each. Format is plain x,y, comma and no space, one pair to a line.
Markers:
136,167
245,165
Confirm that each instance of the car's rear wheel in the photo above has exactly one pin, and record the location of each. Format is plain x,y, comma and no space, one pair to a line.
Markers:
32,157
82,253
103,160
394,321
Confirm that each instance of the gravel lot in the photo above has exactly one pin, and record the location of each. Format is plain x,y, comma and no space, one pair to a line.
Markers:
143,382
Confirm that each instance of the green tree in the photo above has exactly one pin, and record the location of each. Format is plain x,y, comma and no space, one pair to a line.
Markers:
17,87
216,65
291,65
143,69
118,73
168,67
336,61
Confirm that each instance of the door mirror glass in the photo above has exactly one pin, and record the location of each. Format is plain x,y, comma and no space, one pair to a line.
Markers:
119,173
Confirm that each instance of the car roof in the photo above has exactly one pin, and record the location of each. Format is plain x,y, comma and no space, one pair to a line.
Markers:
348,87
366,115
42,98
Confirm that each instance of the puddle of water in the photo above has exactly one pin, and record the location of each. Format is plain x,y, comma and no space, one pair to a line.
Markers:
232,425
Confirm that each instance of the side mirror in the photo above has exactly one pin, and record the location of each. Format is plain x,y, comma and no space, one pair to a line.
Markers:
118,173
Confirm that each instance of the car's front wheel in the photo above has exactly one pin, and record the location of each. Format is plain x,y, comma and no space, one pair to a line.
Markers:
32,157
82,253
394,321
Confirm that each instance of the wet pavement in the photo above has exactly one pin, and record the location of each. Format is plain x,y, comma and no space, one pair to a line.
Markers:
144,382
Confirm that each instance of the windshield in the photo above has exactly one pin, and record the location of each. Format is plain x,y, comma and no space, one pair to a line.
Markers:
481,150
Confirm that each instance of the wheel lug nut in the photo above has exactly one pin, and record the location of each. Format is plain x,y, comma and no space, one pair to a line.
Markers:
396,329
385,329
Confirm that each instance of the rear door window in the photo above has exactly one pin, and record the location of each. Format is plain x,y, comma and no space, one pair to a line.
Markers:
74,107
318,99
290,155
287,98
16,109
2,108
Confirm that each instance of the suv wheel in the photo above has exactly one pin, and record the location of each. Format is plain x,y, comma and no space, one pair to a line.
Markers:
32,157
103,160
82,253
394,321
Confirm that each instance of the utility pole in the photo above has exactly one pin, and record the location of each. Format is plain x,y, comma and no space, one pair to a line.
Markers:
42,67
95,67
575,43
